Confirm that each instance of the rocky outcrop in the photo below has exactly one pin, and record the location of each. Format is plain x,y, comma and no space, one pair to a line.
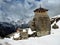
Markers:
55,26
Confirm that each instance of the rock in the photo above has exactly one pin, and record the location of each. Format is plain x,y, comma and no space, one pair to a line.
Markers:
55,26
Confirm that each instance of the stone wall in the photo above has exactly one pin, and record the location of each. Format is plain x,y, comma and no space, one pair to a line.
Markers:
24,35
41,24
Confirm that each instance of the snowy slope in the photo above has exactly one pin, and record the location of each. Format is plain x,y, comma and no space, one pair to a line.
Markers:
52,39
56,16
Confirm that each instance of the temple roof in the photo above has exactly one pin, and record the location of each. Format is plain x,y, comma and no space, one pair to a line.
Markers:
40,10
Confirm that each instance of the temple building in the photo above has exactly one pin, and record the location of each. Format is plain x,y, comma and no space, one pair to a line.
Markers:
41,22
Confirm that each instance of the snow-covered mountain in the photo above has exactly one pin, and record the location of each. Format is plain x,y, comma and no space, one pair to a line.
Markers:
52,39
55,18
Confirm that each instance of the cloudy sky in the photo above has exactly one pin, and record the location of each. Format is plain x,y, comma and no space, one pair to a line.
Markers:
23,9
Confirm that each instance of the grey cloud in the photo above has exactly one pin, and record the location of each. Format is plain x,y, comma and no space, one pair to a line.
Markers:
17,10
53,6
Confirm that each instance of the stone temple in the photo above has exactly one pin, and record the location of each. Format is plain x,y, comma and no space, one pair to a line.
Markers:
41,22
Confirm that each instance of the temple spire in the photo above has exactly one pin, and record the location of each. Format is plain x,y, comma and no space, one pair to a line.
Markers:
40,5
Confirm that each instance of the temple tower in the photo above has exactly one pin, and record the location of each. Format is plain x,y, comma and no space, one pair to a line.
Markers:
41,22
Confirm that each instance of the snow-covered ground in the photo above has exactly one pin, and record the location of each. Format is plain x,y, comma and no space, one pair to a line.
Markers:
52,39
